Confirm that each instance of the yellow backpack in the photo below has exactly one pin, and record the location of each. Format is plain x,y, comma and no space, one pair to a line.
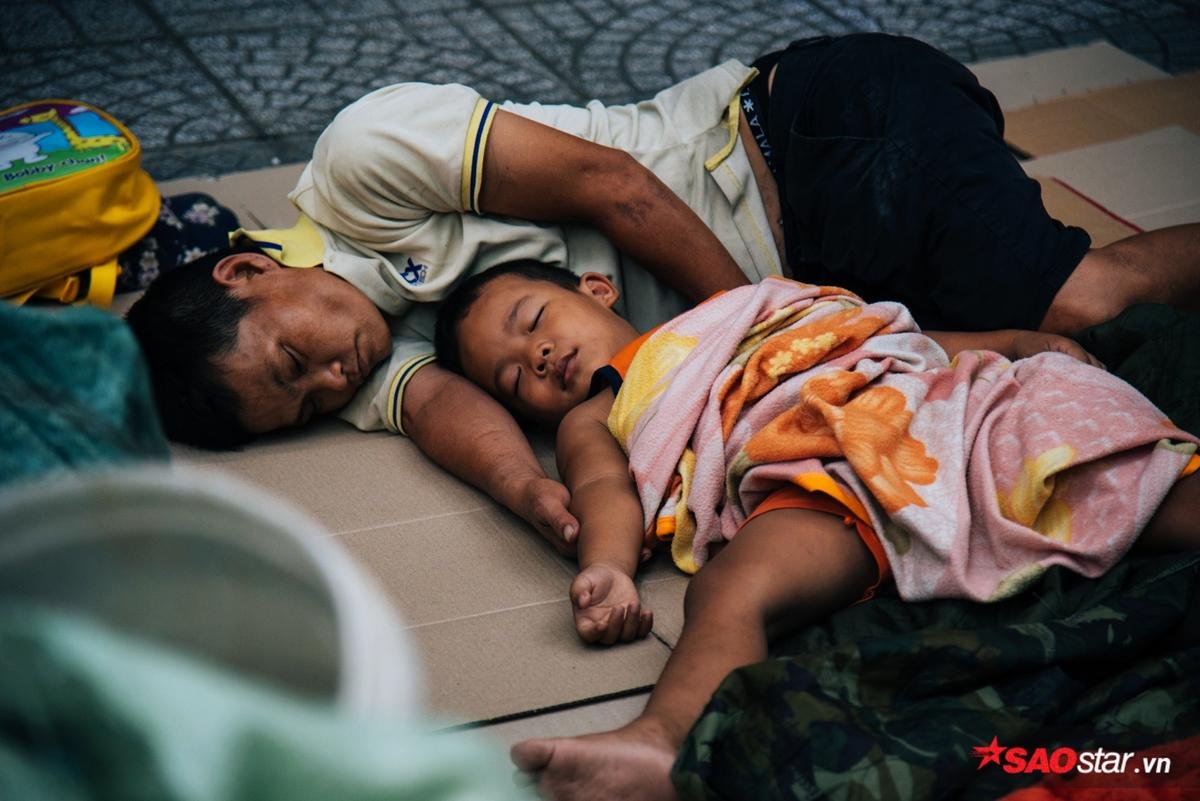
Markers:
73,195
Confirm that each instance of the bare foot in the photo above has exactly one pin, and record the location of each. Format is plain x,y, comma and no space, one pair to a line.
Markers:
632,763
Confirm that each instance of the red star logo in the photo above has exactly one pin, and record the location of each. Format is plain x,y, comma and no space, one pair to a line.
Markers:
989,753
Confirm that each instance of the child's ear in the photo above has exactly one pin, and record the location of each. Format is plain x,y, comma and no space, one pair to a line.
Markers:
600,287
238,268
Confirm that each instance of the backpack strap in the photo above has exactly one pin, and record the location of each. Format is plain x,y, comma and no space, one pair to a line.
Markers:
96,286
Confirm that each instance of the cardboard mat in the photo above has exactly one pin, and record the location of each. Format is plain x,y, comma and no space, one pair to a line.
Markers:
1151,180
484,597
1022,81
1104,116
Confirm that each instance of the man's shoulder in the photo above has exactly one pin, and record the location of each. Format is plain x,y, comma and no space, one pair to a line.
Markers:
409,92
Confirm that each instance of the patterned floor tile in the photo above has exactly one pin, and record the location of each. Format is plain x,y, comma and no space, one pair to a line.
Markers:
236,84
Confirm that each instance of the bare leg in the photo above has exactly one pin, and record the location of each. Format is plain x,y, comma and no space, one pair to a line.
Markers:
1176,524
785,569
1160,266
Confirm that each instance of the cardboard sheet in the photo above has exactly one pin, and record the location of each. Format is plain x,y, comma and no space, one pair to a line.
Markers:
598,716
482,595
1104,116
1069,205
1151,180
526,659
1021,81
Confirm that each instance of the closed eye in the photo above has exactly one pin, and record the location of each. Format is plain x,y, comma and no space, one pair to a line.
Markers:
536,318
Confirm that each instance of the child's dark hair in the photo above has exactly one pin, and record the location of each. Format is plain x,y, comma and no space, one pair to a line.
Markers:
459,302
184,322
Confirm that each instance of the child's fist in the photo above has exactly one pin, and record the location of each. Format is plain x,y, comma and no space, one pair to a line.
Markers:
607,607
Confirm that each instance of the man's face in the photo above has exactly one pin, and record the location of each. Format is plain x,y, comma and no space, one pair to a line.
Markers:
305,346
534,345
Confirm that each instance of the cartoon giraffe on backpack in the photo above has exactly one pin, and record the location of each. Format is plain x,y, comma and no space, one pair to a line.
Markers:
76,141
22,146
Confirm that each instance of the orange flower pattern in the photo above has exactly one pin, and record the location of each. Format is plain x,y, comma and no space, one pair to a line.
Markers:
794,351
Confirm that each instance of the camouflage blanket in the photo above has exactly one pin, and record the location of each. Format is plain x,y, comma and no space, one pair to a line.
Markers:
889,700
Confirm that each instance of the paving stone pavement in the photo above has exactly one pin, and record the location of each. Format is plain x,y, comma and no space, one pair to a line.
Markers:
217,86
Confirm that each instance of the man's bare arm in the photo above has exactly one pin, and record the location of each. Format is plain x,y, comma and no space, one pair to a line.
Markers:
1010,342
536,172
465,431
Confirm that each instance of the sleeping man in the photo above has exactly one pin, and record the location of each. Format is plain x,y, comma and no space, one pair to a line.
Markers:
797,447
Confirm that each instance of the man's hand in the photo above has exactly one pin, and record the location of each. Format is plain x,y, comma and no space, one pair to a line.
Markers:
607,607
1012,343
542,502
491,453
1030,343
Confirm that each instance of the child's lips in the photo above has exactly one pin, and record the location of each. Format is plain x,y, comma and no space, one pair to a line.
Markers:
566,368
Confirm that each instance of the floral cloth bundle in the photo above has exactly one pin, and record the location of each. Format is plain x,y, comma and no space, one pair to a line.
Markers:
977,474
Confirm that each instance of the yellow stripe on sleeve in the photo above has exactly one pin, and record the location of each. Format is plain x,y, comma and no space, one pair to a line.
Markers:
474,146
400,380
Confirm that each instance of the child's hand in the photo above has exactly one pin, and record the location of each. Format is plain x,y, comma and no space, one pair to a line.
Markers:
1030,343
607,607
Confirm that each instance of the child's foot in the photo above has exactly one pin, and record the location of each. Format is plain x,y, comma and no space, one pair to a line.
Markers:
633,762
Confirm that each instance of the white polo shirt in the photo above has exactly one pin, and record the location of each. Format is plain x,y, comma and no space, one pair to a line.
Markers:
394,182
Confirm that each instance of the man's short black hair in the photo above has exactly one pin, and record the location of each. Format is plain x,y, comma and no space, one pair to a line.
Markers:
184,322
459,302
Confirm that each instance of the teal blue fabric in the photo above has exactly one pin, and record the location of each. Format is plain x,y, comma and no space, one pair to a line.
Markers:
86,713
73,392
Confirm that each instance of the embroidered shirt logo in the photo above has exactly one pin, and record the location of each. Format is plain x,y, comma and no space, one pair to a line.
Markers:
414,273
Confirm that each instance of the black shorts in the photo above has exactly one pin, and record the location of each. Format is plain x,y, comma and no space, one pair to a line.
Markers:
896,184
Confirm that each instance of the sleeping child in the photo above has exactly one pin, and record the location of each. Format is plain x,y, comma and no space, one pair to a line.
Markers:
803,447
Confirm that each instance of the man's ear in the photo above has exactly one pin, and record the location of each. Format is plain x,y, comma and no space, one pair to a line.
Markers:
237,269
600,287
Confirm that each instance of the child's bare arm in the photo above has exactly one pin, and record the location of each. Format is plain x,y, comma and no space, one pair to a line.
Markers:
605,500
1010,342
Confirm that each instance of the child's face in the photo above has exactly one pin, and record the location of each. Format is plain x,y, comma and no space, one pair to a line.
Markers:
534,345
